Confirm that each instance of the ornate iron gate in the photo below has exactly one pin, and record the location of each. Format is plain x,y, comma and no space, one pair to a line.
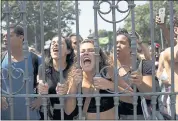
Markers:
97,13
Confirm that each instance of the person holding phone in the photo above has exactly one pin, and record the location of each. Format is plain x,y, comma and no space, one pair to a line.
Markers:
161,22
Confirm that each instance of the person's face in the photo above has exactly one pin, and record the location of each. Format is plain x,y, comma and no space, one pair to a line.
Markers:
54,49
87,57
74,42
15,40
122,45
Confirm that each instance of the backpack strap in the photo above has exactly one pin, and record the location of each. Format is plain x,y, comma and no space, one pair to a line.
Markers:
35,65
35,69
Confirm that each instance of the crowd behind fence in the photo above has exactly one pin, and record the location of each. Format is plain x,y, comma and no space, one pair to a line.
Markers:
73,78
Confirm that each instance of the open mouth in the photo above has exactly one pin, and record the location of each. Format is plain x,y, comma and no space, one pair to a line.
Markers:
87,61
55,50
118,51
5,43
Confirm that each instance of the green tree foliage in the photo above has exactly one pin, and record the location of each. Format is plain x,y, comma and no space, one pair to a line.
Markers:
50,18
103,33
142,19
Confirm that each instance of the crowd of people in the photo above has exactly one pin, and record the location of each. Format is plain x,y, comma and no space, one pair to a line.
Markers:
73,76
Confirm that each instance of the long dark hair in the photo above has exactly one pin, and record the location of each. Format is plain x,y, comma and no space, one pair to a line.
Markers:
69,58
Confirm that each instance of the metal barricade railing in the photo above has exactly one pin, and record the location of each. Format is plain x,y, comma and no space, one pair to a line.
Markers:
116,95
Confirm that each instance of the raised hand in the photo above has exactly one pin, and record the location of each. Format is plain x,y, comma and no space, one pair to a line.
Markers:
158,20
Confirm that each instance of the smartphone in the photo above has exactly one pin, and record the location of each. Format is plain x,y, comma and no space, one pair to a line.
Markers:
162,14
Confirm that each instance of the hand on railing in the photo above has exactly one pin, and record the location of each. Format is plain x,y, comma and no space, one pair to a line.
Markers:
4,104
102,83
132,77
123,80
62,89
136,78
42,87
77,77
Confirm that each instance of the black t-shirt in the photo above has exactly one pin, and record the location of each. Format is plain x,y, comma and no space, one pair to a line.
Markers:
52,78
147,67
